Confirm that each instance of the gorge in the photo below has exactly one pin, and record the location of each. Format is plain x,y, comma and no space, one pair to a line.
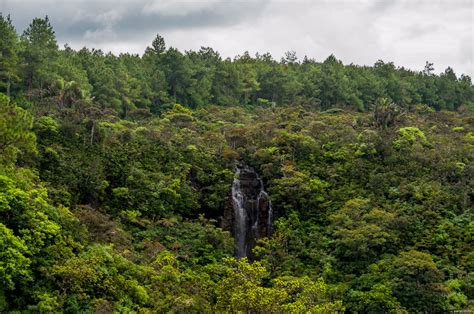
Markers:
253,213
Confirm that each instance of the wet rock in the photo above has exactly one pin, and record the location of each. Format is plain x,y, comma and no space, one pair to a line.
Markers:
252,210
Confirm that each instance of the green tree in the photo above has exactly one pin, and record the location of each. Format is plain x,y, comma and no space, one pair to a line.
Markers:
39,54
14,263
9,46
333,84
15,131
417,282
361,233
241,290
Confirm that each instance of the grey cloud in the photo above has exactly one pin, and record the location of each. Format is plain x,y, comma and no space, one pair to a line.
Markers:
128,19
380,6
466,50
407,32
419,30
221,15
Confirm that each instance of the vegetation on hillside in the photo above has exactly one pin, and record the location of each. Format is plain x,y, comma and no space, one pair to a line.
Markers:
115,172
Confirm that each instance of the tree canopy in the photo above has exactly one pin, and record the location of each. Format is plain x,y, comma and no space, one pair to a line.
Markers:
116,174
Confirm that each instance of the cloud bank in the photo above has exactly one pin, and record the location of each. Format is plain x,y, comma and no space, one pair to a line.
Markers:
405,32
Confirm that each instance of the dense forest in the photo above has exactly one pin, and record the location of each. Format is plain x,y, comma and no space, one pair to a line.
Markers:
116,175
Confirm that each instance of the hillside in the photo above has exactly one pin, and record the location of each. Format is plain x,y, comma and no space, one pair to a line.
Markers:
119,178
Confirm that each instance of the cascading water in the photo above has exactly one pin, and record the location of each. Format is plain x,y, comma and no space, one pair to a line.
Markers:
239,214
253,213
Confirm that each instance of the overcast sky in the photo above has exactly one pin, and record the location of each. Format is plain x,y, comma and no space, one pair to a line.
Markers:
406,32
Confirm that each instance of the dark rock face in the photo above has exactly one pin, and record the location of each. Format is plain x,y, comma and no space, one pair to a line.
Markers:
252,213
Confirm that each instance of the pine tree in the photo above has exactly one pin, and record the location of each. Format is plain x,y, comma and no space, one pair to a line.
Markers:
40,53
8,54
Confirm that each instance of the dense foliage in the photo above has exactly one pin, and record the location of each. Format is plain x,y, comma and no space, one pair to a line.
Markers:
112,194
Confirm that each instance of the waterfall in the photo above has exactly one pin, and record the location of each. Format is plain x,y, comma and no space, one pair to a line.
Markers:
239,214
253,213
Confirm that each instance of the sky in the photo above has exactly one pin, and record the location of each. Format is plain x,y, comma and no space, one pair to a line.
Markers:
406,32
